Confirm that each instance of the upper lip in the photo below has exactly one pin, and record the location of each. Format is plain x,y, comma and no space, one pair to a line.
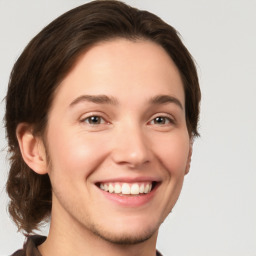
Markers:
129,180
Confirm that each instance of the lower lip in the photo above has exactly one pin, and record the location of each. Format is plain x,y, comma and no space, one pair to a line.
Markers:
129,201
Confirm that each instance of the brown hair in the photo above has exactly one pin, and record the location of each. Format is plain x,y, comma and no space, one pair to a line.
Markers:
46,61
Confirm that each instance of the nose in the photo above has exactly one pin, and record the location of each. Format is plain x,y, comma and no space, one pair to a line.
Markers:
131,147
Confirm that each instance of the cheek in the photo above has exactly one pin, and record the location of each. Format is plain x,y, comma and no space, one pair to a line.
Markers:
76,155
173,152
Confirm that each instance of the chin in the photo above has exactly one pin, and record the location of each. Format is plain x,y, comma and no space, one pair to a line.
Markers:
123,237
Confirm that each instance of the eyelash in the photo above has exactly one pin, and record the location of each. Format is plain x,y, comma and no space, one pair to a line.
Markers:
98,120
90,118
166,119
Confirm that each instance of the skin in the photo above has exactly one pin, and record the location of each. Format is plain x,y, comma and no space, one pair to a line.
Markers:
128,142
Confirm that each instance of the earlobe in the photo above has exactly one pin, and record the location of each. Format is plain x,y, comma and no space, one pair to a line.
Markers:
32,148
189,157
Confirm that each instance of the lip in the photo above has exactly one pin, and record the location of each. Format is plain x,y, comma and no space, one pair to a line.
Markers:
130,180
130,200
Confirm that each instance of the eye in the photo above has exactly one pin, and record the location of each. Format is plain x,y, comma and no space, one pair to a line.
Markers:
94,120
161,120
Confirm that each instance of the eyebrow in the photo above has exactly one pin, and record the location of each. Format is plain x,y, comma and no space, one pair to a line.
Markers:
163,99
98,99
104,99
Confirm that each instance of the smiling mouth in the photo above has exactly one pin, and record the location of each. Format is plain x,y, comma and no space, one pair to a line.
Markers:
120,188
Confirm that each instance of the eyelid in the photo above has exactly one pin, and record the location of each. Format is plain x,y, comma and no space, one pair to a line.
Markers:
88,119
92,114
164,115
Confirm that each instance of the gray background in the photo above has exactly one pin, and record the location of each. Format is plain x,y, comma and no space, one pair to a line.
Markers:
216,213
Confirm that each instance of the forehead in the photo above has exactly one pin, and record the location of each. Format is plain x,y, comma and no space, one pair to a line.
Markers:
122,68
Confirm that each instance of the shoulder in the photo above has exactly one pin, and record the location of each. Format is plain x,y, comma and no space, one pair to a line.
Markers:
30,246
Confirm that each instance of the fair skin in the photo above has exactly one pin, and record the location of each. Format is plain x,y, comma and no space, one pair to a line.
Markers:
117,123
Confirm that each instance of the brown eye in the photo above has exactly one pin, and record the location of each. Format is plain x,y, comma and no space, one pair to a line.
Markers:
161,120
93,120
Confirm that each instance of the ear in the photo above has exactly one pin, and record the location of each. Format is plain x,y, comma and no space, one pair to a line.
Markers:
189,157
32,148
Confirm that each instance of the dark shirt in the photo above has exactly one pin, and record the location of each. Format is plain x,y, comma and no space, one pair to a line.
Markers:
30,247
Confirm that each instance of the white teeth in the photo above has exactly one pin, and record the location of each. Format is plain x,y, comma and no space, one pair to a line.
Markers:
135,190
142,188
118,189
146,189
127,188
110,188
150,187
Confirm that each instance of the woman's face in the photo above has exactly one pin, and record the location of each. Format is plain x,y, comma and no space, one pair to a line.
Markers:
118,142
